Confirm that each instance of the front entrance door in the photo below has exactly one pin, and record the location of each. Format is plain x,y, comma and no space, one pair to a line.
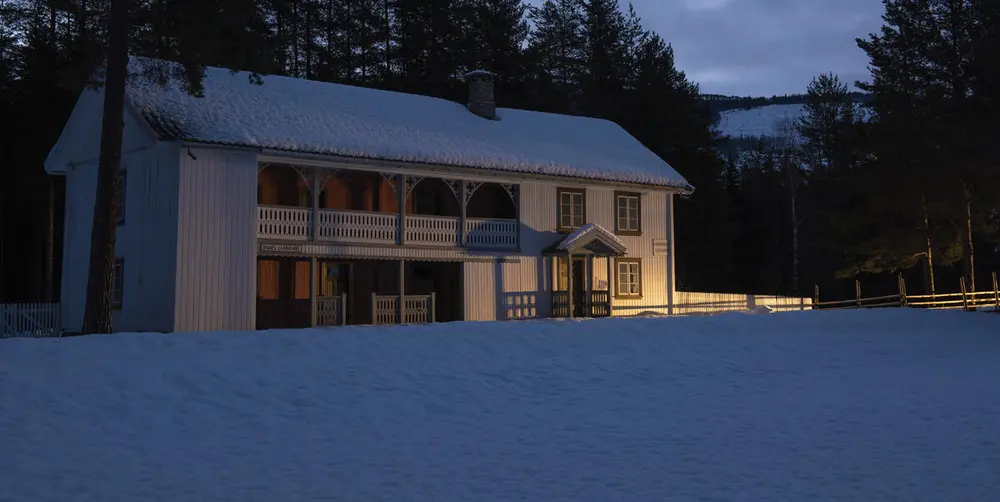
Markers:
579,287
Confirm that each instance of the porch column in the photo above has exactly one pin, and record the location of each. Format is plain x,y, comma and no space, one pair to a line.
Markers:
313,291
611,290
569,282
517,209
401,315
315,212
401,196
588,300
463,191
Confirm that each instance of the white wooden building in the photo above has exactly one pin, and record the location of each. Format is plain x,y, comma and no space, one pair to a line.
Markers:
298,203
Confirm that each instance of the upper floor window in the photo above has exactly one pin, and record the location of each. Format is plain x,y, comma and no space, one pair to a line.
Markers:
572,208
628,213
120,207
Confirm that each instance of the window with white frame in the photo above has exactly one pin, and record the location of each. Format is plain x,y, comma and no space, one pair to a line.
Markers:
628,218
629,278
120,207
572,209
117,283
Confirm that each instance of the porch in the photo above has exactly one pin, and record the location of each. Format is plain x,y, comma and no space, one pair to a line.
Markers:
574,259
302,204
294,292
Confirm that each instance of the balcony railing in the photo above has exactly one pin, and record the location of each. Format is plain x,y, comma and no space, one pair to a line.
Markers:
334,225
357,226
285,223
432,230
491,233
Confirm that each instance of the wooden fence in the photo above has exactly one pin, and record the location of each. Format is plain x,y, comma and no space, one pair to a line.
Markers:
29,320
965,300
692,303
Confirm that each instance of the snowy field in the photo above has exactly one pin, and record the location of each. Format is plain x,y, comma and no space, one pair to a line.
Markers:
815,406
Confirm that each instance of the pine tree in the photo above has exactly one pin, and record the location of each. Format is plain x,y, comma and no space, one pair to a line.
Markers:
924,96
555,47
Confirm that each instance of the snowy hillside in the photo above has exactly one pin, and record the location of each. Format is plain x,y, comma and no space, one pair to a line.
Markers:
818,406
759,121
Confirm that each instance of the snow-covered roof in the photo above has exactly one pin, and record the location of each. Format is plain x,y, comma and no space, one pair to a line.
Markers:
332,119
588,233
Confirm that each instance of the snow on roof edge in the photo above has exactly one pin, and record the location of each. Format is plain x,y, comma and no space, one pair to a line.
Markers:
684,188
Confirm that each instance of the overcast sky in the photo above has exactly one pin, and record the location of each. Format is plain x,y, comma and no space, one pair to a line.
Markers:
763,47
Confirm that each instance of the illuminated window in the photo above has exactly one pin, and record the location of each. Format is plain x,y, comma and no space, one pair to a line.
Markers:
629,278
267,279
572,209
301,280
628,218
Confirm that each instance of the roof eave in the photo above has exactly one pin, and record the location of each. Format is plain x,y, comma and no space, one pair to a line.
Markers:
318,159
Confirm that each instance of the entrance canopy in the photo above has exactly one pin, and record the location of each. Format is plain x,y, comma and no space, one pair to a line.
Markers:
590,239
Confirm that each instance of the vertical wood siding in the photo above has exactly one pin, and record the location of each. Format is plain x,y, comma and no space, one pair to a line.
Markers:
523,289
480,291
81,186
148,240
216,241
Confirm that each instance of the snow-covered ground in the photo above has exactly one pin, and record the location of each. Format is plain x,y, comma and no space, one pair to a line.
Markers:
847,406
759,121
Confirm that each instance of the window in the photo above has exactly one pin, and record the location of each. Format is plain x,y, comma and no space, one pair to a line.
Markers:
117,283
572,209
267,279
628,216
302,280
629,278
120,207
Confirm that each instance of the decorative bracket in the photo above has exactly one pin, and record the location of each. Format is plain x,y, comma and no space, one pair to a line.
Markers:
324,175
304,173
470,188
411,183
391,179
456,188
512,191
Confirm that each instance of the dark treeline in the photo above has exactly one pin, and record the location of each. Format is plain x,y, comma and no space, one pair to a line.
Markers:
848,198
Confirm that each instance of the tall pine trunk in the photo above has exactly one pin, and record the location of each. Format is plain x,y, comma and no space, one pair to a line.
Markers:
97,314
929,254
968,251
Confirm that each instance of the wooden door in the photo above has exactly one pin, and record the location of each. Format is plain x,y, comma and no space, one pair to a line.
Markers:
579,287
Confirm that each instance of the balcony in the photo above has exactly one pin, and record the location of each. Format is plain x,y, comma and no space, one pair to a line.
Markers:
303,204
361,227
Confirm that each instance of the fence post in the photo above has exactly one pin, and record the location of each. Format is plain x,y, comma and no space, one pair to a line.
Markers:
996,293
965,298
857,291
901,284
374,309
343,309
433,309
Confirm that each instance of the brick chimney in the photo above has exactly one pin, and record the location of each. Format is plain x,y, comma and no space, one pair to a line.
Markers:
481,94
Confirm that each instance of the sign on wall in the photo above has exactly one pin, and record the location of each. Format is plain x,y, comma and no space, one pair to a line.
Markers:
660,247
281,248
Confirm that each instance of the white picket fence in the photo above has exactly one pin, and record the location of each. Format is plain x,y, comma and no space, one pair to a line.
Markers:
29,320
690,303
